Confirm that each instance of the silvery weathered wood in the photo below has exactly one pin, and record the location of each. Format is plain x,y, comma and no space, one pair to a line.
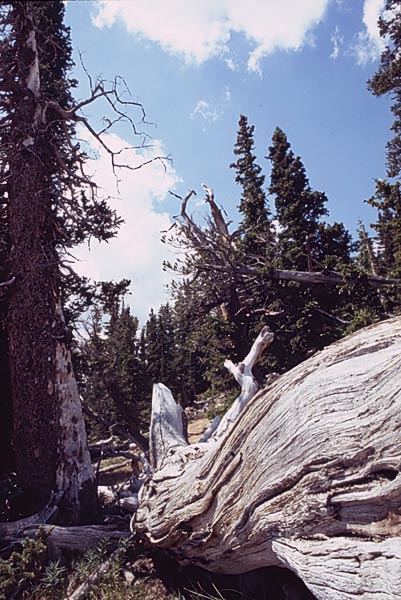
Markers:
244,376
166,426
307,477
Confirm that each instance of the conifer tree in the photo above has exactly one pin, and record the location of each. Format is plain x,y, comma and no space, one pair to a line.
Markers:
49,437
202,342
312,316
387,201
111,370
298,208
386,80
49,206
152,349
255,228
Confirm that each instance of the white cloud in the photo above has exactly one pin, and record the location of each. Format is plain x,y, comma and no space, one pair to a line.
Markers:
198,31
210,112
369,43
337,41
231,64
137,252
204,109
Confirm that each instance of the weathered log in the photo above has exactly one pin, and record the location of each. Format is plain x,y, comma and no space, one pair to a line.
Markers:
308,476
78,538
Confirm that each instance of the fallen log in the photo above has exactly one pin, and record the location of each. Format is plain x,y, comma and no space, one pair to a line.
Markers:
78,538
306,476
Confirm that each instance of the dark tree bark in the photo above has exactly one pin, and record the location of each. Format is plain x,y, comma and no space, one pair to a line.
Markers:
49,434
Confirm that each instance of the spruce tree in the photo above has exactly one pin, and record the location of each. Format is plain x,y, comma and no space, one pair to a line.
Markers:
312,316
365,258
49,436
112,374
202,342
298,208
387,201
386,80
255,228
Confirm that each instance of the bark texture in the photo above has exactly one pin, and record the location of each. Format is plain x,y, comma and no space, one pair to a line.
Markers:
308,476
49,435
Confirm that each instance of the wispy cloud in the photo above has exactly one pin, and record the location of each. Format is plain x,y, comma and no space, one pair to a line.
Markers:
198,31
204,110
369,44
210,111
337,41
137,252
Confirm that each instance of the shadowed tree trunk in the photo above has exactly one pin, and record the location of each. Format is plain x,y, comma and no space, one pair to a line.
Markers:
49,435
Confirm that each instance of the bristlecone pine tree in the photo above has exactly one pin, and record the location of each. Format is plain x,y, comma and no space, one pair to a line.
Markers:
48,206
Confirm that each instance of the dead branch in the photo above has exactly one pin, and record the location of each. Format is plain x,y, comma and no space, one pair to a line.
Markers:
78,538
245,378
218,218
332,317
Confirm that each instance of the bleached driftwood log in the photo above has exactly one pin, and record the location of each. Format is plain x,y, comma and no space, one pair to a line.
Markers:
306,477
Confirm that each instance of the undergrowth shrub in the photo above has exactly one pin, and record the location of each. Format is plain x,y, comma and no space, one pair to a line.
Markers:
24,567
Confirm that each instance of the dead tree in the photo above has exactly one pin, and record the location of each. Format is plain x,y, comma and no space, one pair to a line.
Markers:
305,474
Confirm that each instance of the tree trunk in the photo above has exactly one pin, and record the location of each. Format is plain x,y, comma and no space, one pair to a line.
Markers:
306,476
49,434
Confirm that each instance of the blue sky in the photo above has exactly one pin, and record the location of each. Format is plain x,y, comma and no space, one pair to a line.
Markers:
196,66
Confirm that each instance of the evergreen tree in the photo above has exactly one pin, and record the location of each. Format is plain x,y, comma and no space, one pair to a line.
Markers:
152,349
166,339
48,206
333,246
365,258
39,167
188,354
255,228
387,201
202,342
312,316
386,80
298,208
90,366
161,348
111,371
